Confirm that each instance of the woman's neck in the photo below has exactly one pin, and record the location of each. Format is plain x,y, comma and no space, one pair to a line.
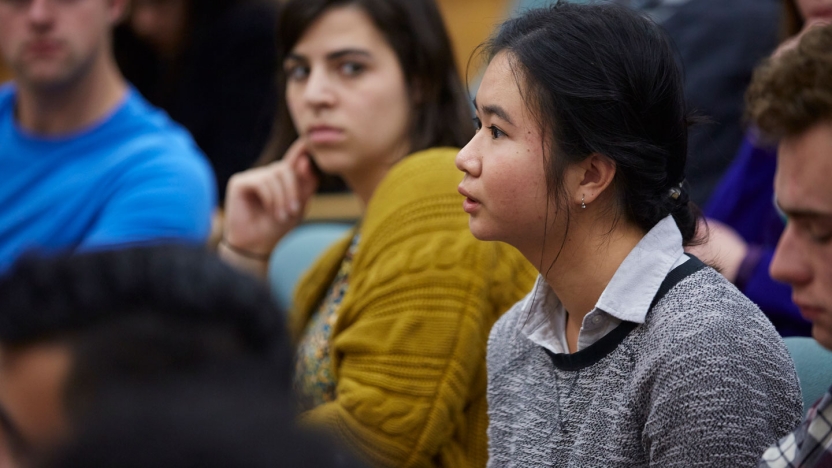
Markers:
364,180
585,265
364,184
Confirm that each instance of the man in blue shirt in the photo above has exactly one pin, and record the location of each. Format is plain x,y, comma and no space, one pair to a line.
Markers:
85,161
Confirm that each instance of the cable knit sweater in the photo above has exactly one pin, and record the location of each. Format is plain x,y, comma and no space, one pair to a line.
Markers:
409,342
705,381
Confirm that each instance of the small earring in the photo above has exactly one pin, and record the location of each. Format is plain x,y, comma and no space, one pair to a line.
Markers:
583,205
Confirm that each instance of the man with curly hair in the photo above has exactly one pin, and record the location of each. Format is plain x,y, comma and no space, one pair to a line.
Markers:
790,101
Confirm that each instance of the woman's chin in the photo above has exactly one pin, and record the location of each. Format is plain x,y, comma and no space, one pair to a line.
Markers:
479,231
332,163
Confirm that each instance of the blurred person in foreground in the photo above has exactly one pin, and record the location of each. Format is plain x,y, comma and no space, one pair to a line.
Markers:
86,162
743,224
790,100
211,65
231,416
391,323
73,326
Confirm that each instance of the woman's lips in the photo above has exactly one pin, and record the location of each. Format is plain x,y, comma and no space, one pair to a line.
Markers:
470,204
43,47
324,135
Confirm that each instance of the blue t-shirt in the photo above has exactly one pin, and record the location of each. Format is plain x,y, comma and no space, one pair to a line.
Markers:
133,177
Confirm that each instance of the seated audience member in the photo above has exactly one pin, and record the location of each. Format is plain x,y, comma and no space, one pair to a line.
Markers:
390,324
71,325
86,162
743,239
211,65
230,416
790,100
627,352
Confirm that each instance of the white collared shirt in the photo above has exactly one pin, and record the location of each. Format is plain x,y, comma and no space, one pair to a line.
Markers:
627,297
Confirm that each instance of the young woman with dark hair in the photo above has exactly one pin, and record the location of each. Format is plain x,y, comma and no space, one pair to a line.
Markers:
391,322
627,352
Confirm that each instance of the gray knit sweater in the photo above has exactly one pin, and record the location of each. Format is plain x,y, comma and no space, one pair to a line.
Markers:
705,381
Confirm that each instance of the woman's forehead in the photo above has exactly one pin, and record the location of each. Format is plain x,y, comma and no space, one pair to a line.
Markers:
338,28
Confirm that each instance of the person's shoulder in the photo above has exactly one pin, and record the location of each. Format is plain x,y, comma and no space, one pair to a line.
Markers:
706,311
428,174
151,143
151,130
510,322
506,341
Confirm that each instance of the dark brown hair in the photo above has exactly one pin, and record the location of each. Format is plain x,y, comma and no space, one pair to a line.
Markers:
792,92
416,33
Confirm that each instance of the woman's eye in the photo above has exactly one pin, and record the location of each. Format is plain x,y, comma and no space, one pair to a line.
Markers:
496,132
477,123
352,68
296,72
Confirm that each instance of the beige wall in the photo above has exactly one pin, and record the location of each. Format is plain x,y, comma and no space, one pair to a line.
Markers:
470,22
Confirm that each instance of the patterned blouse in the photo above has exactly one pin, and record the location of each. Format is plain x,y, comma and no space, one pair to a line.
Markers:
314,377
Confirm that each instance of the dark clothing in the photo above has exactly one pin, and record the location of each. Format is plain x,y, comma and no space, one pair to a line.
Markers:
719,42
222,87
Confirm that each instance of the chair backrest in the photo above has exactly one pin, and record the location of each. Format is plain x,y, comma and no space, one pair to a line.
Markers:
295,254
814,367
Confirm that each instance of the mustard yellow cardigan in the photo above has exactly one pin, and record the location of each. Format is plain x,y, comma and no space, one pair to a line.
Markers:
409,343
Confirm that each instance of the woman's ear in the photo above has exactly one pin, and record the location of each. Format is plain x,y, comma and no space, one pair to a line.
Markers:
594,174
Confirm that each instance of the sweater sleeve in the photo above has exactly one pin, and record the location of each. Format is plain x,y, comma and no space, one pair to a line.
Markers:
411,357
723,392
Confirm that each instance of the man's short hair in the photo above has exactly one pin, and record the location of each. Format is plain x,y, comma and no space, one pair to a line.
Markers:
792,92
140,313
227,416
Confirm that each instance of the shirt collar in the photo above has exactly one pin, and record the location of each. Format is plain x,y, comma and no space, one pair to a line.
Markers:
634,285
629,293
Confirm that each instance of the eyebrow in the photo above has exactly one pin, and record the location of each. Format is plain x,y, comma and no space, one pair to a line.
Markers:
333,55
494,110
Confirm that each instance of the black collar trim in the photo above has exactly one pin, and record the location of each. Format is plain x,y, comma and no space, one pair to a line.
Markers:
606,345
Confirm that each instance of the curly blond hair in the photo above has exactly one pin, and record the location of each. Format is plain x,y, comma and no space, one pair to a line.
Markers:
792,91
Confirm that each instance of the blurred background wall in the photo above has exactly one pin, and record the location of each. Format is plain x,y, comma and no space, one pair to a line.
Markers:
469,22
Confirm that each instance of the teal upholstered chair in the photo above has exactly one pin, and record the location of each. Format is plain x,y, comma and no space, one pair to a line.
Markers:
814,368
295,254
